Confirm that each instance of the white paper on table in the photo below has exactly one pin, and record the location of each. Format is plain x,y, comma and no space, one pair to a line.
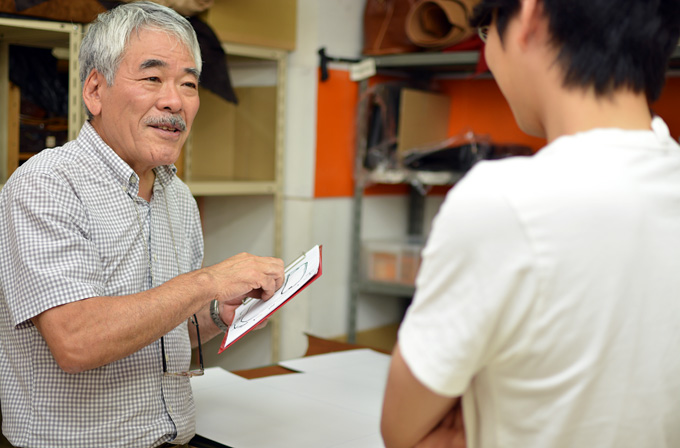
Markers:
248,414
360,366
365,399
216,378
334,403
297,275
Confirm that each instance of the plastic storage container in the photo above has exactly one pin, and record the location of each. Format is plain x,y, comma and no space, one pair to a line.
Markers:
392,261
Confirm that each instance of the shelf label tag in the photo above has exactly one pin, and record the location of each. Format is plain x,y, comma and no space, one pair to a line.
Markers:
362,70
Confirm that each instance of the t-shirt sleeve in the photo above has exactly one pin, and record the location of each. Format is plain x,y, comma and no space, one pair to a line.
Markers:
53,261
475,287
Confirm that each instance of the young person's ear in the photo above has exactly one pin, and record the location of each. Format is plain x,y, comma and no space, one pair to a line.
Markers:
92,92
532,21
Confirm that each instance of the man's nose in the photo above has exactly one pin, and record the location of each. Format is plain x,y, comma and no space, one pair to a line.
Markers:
170,98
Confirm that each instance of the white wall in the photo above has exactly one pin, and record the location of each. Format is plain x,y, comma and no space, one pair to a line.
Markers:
234,224
321,310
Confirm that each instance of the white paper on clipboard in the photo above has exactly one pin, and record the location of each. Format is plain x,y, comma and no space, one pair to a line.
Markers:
298,275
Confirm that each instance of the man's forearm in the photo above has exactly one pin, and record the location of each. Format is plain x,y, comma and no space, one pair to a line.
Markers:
89,333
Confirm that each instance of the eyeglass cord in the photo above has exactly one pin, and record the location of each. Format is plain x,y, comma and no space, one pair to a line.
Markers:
148,255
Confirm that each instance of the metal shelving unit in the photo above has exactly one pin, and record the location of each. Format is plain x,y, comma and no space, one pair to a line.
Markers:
414,66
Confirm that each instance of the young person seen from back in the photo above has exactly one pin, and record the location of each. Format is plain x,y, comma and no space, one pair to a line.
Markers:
548,302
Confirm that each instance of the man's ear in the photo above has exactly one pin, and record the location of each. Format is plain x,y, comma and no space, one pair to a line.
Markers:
92,89
532,21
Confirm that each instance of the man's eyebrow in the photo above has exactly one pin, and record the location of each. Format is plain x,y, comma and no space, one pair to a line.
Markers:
193,71
152,63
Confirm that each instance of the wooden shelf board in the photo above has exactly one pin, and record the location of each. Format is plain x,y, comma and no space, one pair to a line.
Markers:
231,188
35,32
235,188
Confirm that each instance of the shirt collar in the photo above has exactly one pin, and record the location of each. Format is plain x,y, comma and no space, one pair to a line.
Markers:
90,140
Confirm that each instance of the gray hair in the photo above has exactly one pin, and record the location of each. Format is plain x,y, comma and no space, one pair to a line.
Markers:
106,41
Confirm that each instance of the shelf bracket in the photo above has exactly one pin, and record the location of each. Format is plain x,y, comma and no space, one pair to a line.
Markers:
324,59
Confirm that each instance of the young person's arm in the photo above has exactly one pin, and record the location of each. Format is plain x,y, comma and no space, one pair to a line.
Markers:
410,410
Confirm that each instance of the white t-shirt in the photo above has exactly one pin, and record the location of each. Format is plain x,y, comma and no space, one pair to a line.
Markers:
549,295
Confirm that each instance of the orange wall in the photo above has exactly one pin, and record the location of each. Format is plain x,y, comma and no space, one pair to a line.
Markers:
337,100
476,104
479,105
335,137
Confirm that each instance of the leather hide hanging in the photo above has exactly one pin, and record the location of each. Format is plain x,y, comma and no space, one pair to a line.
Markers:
187,8
79,11
84,11
438,24
385,27
403,26
215,75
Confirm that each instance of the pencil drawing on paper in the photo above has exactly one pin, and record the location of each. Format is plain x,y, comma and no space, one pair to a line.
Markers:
254,311
240,320
294,277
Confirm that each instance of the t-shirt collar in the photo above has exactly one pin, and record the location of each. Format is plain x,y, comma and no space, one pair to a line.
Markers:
657,137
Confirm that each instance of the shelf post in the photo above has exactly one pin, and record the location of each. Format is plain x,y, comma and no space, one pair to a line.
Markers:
281,75
416,205
357,203
75,105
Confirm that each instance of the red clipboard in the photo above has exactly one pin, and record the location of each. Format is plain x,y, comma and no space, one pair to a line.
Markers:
254,311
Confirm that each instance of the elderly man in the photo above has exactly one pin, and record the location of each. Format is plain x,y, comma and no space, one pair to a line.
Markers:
548,297
102,293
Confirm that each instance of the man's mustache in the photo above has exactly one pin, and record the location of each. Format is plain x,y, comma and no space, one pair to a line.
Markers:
170,121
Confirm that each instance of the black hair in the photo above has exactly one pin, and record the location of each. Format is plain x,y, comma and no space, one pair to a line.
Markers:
604,44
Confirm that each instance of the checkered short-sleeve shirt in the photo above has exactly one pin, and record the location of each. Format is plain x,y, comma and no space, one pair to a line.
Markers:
70,230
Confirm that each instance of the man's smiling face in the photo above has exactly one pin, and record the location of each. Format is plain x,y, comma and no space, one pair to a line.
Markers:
146,115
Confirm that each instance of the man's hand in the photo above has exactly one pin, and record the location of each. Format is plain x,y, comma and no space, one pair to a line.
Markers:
449,433
232,280
245,275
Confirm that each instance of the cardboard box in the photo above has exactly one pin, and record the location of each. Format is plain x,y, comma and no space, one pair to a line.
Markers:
235,142
423,119
263,23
